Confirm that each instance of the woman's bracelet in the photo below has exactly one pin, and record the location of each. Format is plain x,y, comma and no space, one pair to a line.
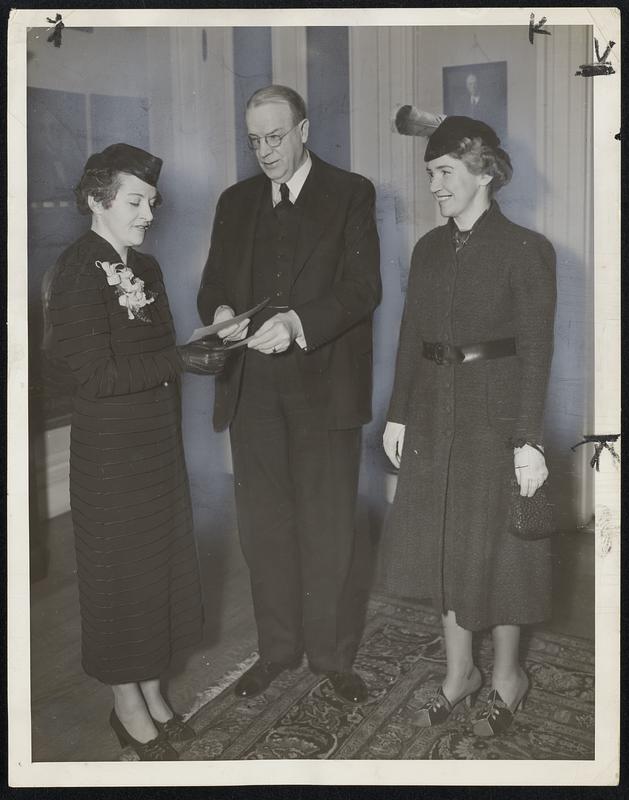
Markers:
517,443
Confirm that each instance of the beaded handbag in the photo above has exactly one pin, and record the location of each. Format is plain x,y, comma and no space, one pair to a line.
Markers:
531,518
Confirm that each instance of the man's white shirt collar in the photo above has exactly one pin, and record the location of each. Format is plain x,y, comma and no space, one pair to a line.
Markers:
295,184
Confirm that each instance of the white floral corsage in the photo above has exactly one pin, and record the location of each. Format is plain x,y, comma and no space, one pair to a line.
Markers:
130,290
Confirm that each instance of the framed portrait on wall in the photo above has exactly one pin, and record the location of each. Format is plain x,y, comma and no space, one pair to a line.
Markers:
478,91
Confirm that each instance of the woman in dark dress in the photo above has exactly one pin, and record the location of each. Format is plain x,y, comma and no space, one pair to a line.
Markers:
466,416
110,323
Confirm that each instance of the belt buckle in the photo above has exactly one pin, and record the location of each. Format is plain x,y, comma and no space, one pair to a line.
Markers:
438,353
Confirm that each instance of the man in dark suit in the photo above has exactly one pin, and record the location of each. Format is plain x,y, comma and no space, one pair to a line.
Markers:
302,234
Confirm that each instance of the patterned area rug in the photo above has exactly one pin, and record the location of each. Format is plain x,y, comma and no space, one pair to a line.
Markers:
402,660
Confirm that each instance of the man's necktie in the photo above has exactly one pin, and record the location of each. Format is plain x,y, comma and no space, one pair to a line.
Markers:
285,203
285,197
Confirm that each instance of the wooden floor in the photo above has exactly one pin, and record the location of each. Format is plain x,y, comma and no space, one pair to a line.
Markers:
70,710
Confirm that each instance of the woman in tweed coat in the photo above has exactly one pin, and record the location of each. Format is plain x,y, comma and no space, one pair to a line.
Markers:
481,289
110,324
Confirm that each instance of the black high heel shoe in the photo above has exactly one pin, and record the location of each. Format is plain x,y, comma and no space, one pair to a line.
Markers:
437,709
497,716
157,749
175,729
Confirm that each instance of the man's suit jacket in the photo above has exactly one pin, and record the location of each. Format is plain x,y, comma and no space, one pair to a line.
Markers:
335,289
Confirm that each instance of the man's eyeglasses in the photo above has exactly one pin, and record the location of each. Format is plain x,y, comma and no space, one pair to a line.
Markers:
272,140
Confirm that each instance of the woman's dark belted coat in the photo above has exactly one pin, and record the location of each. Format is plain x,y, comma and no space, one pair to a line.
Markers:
446,536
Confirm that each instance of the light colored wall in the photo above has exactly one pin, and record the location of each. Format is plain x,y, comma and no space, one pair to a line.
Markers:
549,140
289,59
436,48
189,84
104,61
191,123
565,215
53,471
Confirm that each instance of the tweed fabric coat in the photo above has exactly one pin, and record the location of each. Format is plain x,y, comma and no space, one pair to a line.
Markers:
446,536
137,569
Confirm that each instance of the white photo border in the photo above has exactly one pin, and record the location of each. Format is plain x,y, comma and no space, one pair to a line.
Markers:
604,769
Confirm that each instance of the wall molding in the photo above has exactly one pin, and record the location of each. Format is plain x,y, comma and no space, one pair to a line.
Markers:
53,479
378,86
565,215
289,52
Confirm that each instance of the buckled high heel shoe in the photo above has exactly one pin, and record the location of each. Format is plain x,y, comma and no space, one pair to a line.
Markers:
437,709
175,729
497,716
157,749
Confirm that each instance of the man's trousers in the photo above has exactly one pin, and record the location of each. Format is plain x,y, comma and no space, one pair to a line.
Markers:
296,486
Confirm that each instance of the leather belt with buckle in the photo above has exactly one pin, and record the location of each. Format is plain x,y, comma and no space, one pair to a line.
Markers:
443,353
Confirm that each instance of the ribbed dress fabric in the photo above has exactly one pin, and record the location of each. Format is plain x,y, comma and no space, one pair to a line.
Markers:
137,565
